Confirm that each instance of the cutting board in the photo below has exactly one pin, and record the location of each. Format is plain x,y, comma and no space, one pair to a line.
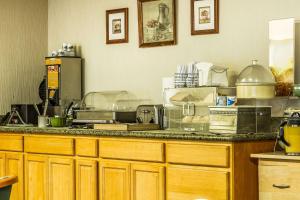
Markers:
126,127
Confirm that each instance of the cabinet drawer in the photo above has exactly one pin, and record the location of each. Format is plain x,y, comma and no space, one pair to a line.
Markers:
11,143
279,180
49,145
87,147
195,183
132,150
198,154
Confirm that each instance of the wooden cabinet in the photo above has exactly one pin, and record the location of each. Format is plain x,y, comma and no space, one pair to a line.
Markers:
2,164
87,147
135,181
114,180
147,182
279,176
14,165
131,180
12,162
279,180
49,145
86,180
11,143
61,178
132,150
36,177
190,183
92,168
49,177
199,154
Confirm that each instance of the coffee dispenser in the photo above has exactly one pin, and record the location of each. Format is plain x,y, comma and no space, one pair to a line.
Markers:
63,80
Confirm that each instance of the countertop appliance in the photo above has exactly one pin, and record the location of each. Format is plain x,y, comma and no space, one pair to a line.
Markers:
63,80
240,119
107,107
27,113
104,117
256,82
150,114
289,135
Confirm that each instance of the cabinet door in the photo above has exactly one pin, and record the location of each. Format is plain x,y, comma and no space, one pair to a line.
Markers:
147,182
14,166
61,178
2,164
114,181
36,177
279,180
86,180
190,183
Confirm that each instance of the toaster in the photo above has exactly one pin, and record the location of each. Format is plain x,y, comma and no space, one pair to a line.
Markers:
150,114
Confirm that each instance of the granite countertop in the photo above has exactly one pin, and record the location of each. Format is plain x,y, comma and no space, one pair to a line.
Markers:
158,134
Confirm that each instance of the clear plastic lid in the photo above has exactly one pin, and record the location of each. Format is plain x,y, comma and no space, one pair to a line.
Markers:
255,74
111,101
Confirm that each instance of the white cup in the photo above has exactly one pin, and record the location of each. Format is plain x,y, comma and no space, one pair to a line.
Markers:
43,121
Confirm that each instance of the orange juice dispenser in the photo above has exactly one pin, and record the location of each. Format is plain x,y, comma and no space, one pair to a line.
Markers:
63,80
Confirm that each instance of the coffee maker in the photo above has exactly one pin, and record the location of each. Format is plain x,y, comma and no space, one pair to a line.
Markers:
63,80
61,87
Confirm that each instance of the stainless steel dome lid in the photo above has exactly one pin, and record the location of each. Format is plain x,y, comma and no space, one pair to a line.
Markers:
255,74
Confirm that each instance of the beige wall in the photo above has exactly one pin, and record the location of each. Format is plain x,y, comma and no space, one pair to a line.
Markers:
243,37
23,44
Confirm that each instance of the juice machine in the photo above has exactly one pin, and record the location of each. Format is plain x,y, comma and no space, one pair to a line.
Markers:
63,80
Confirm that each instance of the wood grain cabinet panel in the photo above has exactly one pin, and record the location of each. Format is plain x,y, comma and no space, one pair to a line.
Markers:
192,183
86,180
14,165
87,147
132,150
147,182
36,177
198,154
114,181
11,143
61,178
49,145
49,177
2,164
279,180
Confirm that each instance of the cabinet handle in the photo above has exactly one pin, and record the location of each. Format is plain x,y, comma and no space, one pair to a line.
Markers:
281,186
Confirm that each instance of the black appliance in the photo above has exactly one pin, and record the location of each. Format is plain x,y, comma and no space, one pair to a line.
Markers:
27,113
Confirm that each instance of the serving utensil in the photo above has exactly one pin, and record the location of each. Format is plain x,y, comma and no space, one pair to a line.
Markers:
46,107
36,109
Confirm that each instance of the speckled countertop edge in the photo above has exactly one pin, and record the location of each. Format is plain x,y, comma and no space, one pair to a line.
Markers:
158,134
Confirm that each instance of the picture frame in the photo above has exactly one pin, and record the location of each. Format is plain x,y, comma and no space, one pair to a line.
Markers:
157,23
204,17
117,26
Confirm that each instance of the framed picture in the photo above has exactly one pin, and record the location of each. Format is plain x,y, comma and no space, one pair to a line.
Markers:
204,17
117,26
157,22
